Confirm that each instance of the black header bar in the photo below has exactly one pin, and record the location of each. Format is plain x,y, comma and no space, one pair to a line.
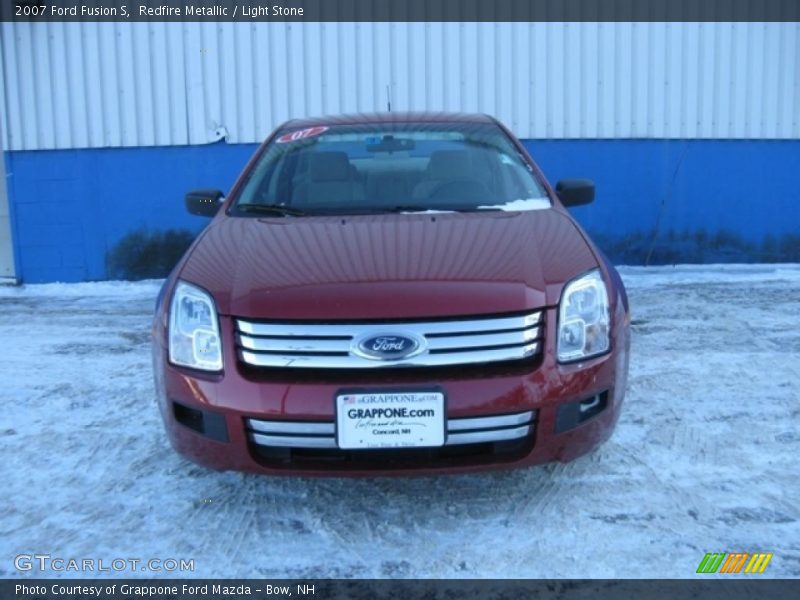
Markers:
244,11
712,587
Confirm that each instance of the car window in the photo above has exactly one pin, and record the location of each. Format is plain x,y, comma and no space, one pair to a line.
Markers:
403,167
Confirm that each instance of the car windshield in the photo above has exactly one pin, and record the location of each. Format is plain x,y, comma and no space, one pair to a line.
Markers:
390,167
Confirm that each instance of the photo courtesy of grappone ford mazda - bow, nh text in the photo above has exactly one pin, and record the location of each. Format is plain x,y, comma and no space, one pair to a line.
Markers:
390,294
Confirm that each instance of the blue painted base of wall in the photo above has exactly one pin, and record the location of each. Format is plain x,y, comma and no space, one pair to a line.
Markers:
657,201
679,201
71,208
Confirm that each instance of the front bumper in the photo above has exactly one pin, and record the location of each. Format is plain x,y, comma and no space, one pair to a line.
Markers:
563,411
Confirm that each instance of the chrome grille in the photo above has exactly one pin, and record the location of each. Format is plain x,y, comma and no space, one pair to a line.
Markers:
322,434
441,343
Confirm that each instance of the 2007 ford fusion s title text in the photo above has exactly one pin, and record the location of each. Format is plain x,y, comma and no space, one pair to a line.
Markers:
385,294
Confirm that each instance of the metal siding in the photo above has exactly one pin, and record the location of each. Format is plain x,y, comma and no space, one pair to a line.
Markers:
78,85
7,254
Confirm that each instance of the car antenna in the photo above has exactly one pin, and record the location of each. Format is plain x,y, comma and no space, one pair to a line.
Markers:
388,98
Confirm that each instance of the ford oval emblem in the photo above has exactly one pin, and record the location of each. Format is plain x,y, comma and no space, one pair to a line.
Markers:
388,346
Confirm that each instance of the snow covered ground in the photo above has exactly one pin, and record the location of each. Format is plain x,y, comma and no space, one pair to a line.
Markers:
705,458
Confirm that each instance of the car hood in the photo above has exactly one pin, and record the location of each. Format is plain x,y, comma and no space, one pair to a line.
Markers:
387,266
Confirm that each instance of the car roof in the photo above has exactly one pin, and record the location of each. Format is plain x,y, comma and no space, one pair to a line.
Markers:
389,117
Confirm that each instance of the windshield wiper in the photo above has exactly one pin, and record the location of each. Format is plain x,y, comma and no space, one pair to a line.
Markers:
279,209
417,208
405,208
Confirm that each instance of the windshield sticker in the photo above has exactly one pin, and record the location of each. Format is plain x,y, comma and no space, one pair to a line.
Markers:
301,134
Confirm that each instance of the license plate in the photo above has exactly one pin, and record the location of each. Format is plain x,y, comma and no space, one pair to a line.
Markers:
394,419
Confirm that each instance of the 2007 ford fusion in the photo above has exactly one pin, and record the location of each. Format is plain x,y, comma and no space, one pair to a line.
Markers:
384,294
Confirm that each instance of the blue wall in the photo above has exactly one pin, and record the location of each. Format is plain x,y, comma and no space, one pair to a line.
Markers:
685,201
669,201
70,208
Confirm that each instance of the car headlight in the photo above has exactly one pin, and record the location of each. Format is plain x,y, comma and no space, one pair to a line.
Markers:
194,339
583,320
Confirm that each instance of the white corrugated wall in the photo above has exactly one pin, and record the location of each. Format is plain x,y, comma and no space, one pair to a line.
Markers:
78,85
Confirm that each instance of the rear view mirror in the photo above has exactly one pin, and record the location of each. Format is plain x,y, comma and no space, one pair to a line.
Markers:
204,203
574,192
389,143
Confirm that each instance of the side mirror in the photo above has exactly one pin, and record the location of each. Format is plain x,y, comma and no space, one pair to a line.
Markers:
204,203
574,192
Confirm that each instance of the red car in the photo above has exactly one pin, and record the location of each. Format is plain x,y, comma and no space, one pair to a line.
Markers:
394,293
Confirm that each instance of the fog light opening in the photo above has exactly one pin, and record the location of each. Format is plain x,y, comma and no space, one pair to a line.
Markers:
188,417
204,422
572,414
590,404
